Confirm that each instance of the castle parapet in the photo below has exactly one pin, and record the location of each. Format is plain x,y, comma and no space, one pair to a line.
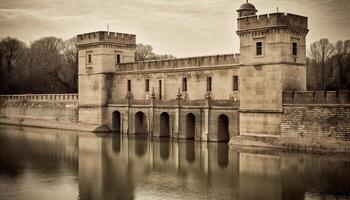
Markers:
316,97
104,36
225,59
40,98
272,20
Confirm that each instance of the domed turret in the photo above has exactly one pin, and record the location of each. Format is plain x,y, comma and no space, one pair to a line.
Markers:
246,9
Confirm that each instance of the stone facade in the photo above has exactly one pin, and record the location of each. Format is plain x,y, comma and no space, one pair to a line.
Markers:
210,98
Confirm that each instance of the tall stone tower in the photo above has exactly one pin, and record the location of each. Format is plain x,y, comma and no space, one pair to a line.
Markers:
273,60
98,54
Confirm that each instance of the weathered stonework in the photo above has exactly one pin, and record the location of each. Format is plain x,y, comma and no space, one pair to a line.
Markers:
320,122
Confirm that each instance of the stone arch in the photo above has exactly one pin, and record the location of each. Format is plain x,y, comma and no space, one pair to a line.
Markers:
164,125
223,128
140,123
190,126
116,122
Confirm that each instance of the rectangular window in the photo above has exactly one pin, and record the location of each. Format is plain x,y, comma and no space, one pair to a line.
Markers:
184,84
160,89
208,84
129,85
235,83
259,48
295,48
117,59
147,85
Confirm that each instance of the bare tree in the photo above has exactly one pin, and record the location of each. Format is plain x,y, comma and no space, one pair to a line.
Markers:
145,52
47,63
342,51
320,53
70,68
11,51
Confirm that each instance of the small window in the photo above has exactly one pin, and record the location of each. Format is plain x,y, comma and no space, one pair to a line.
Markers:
147,85
208,84
184,84
89,57
295,48
118,59
129,85
259,48
160,89
235,83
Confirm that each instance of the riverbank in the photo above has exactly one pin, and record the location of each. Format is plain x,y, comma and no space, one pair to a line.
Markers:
41,123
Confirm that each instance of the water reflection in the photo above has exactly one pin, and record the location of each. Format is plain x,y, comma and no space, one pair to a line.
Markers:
37,163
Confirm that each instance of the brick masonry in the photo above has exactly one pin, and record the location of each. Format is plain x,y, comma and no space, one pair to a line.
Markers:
318,121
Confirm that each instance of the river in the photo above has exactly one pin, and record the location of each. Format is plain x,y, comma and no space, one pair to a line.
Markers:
54,164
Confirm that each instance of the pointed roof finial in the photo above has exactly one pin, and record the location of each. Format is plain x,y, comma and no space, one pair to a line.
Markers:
247,1
277,8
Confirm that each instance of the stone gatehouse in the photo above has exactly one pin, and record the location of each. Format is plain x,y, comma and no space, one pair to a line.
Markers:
209,98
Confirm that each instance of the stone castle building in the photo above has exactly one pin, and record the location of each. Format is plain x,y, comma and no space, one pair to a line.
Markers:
209,98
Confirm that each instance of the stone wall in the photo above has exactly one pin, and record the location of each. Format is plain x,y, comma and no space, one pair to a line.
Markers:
42,110
320,122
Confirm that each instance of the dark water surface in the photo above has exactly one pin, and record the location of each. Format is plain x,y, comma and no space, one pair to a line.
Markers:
51,164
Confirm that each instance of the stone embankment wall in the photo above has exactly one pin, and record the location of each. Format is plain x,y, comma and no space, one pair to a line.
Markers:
39,109
316,115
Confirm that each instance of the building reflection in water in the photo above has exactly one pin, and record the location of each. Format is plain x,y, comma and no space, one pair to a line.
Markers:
119,167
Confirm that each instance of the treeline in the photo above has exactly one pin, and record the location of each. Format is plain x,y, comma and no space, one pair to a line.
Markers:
47,65
328,65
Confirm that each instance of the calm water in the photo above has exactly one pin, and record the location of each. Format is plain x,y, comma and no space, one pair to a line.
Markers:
52,164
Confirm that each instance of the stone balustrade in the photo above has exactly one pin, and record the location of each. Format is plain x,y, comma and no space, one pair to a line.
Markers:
40,98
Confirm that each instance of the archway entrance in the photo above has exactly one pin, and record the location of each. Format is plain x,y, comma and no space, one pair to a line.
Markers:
140,123
190,126
223,128
116,122
164,125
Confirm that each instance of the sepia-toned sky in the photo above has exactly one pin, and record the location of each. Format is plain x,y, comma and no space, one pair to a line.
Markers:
179,27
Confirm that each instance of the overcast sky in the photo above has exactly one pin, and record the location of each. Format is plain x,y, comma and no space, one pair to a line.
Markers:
179,27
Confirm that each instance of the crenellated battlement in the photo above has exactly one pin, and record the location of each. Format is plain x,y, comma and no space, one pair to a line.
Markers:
316,97
104,36
272,20
224,59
